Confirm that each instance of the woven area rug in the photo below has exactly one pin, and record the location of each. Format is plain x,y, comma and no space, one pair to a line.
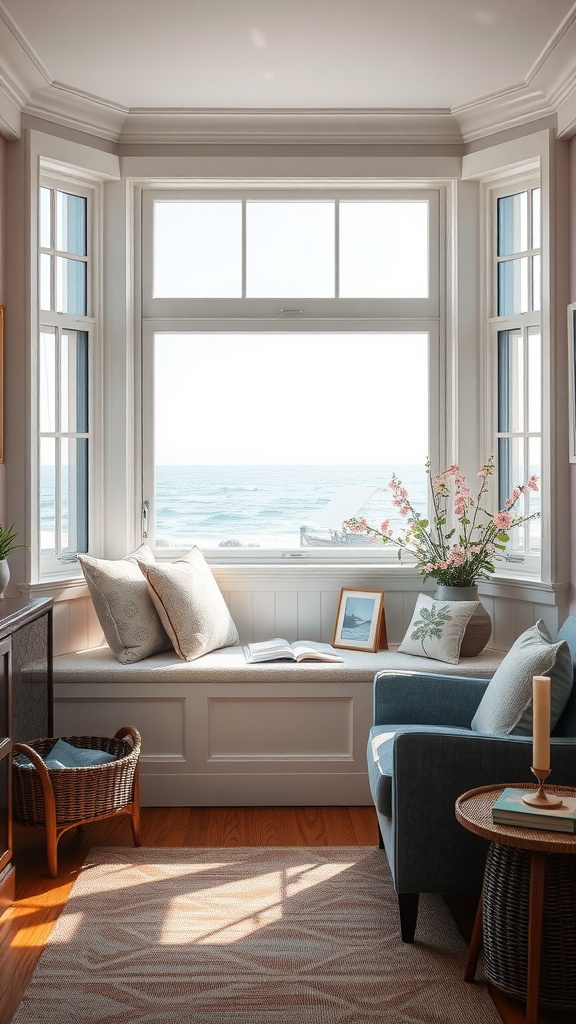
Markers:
270,935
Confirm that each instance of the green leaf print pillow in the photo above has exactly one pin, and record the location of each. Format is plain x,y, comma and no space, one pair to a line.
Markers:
437,628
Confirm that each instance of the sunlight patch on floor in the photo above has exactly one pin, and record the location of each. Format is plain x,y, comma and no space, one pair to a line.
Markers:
231,911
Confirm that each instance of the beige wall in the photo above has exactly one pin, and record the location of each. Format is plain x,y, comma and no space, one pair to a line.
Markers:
3,256
572,467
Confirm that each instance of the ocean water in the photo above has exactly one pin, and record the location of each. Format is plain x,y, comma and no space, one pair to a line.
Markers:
261,506
266,506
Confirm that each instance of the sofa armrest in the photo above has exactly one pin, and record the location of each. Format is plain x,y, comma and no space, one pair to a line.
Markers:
421,698
430,771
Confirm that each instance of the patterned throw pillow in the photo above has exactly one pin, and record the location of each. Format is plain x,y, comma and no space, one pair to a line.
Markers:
506,707
437,628
123,605
190,605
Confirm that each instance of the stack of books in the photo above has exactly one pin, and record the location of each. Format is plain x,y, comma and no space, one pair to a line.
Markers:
509,809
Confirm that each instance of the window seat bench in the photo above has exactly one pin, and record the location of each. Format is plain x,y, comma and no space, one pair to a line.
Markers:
219,732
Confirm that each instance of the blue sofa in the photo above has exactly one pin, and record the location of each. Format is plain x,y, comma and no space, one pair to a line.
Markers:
422,754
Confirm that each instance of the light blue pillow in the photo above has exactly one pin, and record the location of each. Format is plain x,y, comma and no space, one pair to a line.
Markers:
66,755
506,707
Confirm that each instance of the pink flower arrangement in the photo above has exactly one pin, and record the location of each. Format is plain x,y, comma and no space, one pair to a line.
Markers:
460,555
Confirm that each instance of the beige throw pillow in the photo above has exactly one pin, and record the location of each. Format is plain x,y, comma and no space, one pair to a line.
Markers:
190,605
123,605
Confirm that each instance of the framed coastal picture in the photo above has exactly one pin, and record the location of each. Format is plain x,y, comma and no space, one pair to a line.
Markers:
360,621
572,378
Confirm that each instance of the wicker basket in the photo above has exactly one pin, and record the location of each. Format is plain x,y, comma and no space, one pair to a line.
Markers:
506,898
61,798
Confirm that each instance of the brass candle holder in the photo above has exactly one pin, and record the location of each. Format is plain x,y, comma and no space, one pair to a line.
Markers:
539,797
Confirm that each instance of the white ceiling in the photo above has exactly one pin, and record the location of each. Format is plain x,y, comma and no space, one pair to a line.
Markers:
112,58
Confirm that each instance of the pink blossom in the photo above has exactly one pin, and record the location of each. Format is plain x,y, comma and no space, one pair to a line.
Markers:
515,494
457,556
532,484
502,520
461,503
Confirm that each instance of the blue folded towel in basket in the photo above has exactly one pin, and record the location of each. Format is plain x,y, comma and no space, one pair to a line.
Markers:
66,755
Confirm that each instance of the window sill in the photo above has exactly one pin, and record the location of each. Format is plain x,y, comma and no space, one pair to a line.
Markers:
311,576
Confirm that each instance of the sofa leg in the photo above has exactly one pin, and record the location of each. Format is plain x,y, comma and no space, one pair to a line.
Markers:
380,840
408,907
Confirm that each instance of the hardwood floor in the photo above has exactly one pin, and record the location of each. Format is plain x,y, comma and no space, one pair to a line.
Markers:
26,926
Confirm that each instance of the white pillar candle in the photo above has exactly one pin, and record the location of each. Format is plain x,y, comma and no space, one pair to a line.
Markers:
541,722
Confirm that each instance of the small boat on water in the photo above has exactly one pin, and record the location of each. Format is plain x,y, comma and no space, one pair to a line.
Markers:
327,530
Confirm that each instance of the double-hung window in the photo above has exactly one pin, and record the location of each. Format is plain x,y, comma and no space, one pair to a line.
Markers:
516,325
63,361
291,363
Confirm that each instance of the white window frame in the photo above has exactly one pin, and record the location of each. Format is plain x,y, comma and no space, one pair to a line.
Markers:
511,565
50,566
327,315
176,308
369,555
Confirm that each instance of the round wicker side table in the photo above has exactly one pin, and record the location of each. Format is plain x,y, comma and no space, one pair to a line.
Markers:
526,918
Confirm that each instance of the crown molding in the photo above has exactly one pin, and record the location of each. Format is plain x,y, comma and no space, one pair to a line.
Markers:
26,87
501,113
291,127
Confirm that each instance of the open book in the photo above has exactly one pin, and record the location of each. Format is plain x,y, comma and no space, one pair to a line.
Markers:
281,650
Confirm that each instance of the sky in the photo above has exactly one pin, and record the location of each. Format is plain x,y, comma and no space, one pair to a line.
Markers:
329,398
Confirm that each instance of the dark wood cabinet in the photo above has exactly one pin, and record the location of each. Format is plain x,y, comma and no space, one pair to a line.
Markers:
26,704
6,868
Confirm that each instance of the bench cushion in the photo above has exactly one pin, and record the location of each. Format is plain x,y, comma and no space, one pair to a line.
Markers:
229,663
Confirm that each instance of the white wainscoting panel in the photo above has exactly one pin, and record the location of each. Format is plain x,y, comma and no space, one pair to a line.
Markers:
301,602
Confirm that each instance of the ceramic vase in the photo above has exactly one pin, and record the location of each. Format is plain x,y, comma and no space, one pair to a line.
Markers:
479,628
4,575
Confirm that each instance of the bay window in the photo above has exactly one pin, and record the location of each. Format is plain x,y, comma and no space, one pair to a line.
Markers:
516,326
63,359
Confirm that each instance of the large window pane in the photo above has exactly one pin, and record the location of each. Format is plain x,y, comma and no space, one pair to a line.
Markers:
197,249
384,249
290,249
302,429
71,223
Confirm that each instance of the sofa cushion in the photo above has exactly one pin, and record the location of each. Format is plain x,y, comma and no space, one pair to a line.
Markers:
190,605
123,605
437,628
506,707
